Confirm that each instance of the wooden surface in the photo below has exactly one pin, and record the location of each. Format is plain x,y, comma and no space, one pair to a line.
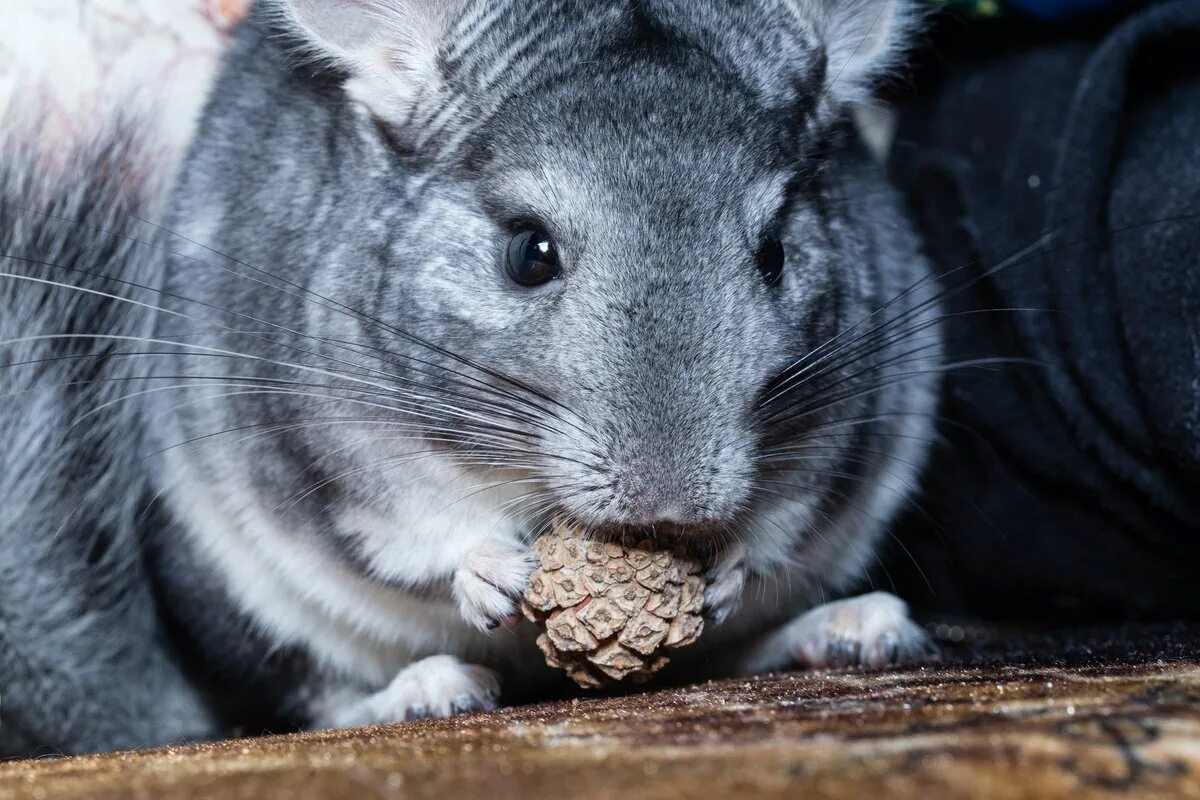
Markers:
1091,724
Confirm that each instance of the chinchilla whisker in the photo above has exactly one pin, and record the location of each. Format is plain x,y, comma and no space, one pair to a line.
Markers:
552,492
799,18
929,349
823,431
152,307
385,464
253,385
821,353
245,390
325,456
829,519
899,541
306,296
925,353
756,534
334,305
532,507
200,350
457,377
476,384
784,468
818,404
927,328
160,309
290,502
813,452
537,457
533,514
492,431
535,509
848,354
864,347
412,405
943,420
474,490
378,465
845,497
330,422
449,434
537,500
1040,244
468,403
760,485
852,477
862,419
195,349
539,480
533,503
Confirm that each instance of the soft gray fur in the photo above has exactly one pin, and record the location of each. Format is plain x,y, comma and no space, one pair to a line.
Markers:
83,662
352,423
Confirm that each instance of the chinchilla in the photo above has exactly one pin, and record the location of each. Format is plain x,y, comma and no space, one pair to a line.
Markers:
434,273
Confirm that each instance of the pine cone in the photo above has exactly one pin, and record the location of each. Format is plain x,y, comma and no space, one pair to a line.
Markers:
610,612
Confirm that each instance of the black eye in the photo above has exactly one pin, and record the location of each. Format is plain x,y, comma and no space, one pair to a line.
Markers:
771,259
533,258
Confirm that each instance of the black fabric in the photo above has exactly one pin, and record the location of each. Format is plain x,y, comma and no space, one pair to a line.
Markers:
1062,179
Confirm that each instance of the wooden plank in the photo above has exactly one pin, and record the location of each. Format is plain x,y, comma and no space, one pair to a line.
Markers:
969,732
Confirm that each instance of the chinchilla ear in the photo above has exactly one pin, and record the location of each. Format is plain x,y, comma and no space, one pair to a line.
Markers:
831,50
863,40
389,48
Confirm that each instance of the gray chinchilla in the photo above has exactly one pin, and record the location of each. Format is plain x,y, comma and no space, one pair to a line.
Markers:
435,272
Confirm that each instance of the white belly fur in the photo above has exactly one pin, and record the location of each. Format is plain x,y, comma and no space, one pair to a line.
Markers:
301,594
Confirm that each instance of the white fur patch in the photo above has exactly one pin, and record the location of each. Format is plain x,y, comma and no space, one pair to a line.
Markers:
871,630
438,686
302,594
75,65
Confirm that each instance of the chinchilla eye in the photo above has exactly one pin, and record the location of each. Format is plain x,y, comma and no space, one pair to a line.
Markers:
771,259
533,258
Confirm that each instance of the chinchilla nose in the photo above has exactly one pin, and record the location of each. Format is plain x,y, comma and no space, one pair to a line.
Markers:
679,486
648,494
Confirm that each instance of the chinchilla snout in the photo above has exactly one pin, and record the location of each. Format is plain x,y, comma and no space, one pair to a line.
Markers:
688,471
663,359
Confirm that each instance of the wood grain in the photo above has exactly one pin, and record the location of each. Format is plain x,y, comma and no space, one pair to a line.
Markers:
988,731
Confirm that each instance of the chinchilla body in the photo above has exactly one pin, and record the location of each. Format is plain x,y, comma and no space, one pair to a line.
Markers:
439,272
83,657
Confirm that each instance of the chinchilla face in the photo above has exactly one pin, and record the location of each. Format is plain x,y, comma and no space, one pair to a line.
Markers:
585,238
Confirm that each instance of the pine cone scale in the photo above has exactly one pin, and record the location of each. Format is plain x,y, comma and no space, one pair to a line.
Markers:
610,612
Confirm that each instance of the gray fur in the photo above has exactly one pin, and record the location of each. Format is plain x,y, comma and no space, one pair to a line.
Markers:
340,347
83,664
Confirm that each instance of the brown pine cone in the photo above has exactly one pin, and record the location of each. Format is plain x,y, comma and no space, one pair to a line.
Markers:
610,612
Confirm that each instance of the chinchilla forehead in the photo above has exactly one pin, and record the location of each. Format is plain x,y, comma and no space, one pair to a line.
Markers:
658,61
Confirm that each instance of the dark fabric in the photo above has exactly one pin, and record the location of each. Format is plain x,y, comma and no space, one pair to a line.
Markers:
1061,9
1062,178
1045,9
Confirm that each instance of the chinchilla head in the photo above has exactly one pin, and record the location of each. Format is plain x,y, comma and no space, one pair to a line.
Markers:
581,240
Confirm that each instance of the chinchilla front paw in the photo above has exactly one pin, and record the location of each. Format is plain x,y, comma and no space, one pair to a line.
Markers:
438,686
726,582
872,630
489,583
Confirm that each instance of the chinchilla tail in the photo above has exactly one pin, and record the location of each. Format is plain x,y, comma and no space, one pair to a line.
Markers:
78,626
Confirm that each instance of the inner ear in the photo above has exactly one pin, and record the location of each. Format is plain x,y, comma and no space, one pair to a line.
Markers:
864,40
389,48
343,28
